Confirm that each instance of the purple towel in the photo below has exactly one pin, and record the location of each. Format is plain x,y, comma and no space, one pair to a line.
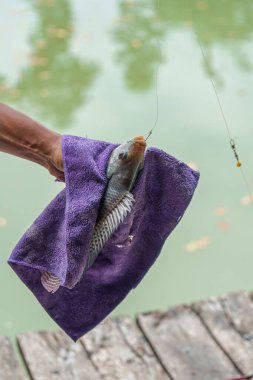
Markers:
59,238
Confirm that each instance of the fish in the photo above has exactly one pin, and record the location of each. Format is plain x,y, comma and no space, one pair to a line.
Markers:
124,165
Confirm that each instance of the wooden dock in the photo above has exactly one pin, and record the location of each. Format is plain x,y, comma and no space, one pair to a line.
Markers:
209,340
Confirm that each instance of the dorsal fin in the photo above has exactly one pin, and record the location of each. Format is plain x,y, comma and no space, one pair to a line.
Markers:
107,226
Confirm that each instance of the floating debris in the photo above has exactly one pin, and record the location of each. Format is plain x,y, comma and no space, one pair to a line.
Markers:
41,44
193,165
37,60
247,199
196,245
201,5
44,75
223,225
49,3
58,32
3,222
221,211
136,43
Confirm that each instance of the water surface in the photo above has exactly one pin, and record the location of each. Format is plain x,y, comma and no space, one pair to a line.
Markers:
89,69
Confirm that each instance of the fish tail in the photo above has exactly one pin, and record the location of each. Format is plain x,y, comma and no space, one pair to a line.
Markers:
50,282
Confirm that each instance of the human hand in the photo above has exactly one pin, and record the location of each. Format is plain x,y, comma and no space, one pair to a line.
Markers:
55,162
26,138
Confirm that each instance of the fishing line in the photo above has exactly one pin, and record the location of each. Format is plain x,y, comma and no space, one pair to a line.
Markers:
156,86
157,97
231,140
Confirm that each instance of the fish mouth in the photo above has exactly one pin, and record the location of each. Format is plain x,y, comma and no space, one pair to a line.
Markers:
138,138
138,145
139,141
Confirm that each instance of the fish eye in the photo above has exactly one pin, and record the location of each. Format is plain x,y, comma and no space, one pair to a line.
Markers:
123,155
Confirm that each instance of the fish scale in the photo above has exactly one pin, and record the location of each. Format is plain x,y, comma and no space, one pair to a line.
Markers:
101,234
107,226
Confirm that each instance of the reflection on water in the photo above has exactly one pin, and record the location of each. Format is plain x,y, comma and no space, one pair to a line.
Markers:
142,23
55,82
137,34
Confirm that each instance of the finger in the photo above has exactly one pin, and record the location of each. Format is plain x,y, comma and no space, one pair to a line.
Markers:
56,173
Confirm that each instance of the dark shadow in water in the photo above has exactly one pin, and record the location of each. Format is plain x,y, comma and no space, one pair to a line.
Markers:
56,82
224,22
137,34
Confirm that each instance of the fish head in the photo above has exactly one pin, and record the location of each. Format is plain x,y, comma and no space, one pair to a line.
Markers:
127,159
136,150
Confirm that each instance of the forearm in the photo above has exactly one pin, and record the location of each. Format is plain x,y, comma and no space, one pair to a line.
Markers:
24,137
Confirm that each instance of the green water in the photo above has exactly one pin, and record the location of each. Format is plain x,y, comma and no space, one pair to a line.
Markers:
88,68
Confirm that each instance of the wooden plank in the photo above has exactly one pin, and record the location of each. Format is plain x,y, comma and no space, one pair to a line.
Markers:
239,308
230,319
53,355
184,345
9,365
119,351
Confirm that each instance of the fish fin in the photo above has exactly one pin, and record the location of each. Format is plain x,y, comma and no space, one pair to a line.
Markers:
50,282
107,226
